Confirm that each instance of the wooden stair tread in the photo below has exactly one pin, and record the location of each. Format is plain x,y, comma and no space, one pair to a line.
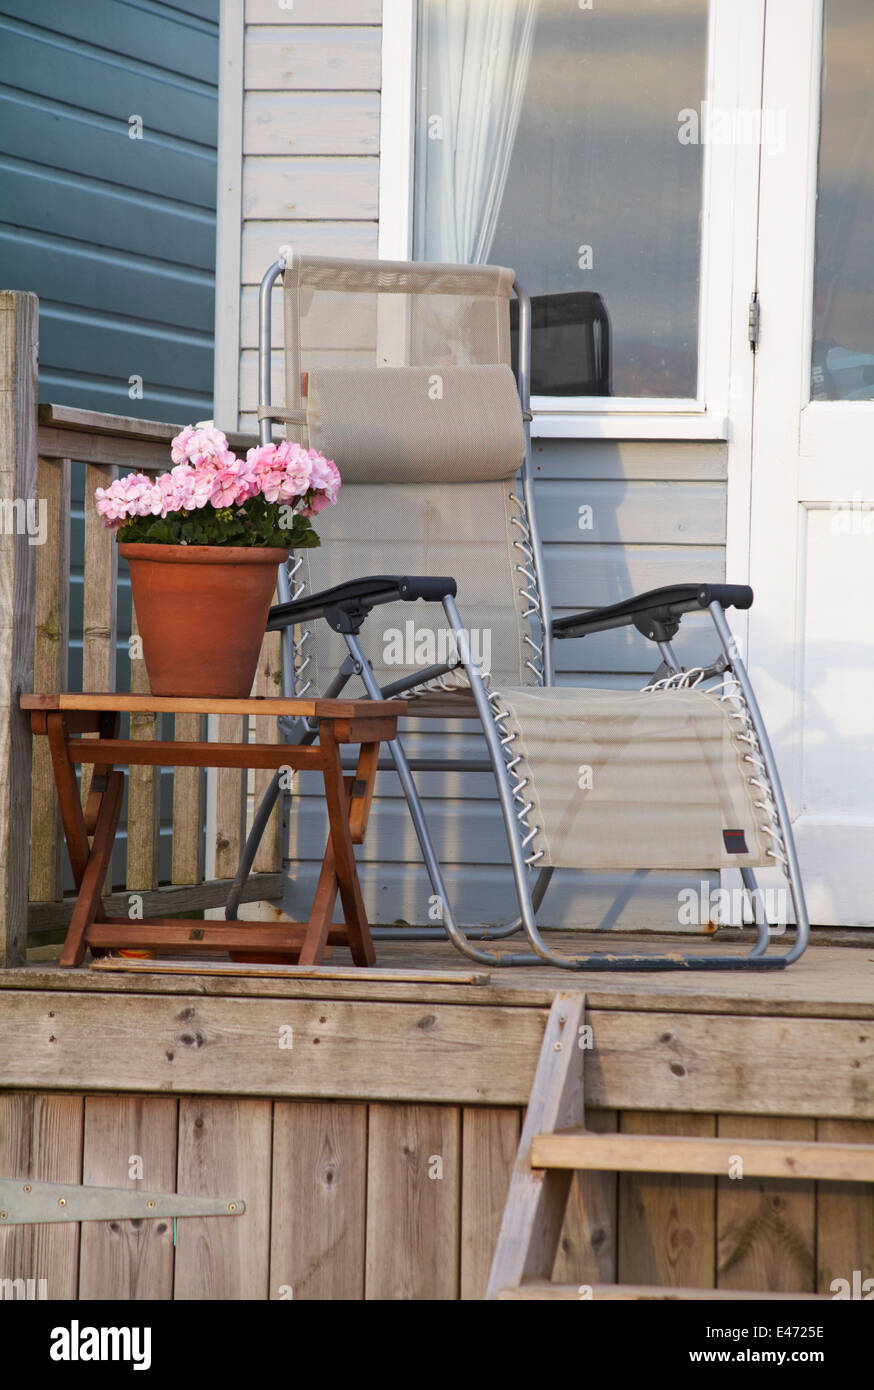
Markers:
664,1153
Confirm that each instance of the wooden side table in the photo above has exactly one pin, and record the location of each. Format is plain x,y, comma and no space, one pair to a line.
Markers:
63,718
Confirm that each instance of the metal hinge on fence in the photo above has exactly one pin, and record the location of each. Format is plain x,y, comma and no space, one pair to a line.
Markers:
755,319
25,1203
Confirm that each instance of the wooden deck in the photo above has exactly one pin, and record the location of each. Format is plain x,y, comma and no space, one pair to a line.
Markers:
369,1120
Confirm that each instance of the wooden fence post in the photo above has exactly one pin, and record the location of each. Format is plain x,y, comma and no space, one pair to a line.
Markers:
19,339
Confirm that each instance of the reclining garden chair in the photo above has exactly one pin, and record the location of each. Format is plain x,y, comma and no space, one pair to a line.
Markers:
401,374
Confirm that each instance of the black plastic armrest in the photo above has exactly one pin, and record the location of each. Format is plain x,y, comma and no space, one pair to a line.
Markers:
345,606
656,613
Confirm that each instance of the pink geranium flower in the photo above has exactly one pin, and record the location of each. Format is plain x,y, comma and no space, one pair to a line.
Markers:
207,472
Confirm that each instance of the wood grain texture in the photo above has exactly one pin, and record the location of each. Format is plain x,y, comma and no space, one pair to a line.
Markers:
587,1251
225,1151
743,1065
844,1215
413,1202
268,681
310,187
319,1199
490,1139
323,57
19,336
327,123
142,790
100,594
646,1293
160,902
188,806
533,1217
155,1042
52,633
754,1156
128,1259
765,1227
667,1225
41,1138
230,793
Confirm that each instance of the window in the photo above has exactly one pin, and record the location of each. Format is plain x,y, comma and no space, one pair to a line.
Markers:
566,142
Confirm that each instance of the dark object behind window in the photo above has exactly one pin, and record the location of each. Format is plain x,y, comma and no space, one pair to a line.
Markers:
570,347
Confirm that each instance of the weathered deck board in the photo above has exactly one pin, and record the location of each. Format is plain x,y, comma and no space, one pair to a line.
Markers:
52,630
844,1215
587,1251
343,1050
490,1139
319,1200
667,1233
41,1138
128,1259
765,1227
224,1151
829,982
413,1202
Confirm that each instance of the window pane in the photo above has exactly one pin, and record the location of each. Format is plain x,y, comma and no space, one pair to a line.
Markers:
843,332
557,140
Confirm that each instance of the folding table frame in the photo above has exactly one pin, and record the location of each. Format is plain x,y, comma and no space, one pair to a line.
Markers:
63,719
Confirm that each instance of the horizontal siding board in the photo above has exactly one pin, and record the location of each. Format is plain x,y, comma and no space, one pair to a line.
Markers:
278,187
177,42
39,200
326,57
112,397
157,353
315,11
299,123
65,139
400,893
593,575
109,84
604,458
91,277
262,240
638,512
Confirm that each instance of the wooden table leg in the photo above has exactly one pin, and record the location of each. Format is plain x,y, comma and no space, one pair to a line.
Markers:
72,815
358,928
88,903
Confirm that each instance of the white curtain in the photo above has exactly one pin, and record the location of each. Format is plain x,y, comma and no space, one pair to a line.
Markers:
474,58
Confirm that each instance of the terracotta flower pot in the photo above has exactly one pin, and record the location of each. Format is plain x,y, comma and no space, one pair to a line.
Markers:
201,612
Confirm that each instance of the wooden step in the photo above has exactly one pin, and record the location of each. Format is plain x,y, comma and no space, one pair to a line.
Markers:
576,1293
656,1153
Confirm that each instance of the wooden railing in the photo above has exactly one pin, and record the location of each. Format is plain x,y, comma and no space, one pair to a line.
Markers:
38,449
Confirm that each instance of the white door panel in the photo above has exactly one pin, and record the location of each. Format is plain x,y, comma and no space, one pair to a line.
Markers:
811,633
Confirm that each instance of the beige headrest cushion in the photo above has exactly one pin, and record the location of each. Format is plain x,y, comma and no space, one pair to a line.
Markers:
417,424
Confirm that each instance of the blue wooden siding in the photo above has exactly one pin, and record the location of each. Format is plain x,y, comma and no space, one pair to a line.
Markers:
116,235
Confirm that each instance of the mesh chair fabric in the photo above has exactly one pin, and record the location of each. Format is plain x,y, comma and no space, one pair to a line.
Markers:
411,424
634,779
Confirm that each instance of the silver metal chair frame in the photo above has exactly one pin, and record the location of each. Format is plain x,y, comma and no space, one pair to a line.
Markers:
510,791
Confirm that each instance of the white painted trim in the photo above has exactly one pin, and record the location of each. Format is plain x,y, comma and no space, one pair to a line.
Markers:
229,215
397,129
741,46
612,424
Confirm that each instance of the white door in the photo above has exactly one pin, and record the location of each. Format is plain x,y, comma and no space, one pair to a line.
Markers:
811,633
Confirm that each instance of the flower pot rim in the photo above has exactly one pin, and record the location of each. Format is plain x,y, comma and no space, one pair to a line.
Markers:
205,554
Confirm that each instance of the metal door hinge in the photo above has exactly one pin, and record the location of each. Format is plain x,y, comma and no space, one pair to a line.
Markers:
23,1202
755,319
